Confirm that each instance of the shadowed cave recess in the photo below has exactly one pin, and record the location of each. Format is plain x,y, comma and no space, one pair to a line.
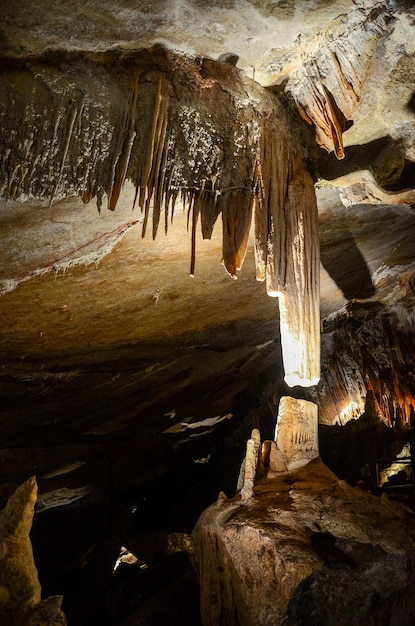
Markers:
207,288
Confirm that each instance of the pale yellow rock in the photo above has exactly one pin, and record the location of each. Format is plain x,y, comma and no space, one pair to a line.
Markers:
296,433
20,591
276,460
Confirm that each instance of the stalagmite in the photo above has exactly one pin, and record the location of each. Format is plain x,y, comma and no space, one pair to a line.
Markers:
250,465
20,592
296,433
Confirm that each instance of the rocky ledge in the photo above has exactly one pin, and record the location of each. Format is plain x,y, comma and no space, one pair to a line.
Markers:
306,549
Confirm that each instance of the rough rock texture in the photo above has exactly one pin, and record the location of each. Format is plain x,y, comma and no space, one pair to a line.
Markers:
153,118
307,549
20,592
296,432
120,375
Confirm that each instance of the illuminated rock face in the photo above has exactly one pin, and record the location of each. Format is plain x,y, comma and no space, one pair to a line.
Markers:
300,301
296,433
369,353
304,537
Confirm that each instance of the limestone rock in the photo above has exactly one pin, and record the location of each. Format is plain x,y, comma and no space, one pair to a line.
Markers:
296,433
20,592
309,549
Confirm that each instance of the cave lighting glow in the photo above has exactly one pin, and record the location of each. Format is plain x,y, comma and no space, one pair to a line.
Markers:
300,349
351,411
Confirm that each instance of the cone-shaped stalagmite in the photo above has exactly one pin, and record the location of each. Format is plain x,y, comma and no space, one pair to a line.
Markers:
20,592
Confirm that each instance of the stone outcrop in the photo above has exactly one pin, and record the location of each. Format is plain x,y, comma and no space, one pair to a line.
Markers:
308,549
20,592
296,433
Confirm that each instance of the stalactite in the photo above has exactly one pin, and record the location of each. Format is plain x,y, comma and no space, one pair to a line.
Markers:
319,107
327,84
151,182
300,302
271,175
236,208
211,211
121,167
194,212
287,255
74,114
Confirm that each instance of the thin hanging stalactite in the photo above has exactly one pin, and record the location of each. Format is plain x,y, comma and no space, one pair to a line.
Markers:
121,166
74,114
159,171
195,208
155,148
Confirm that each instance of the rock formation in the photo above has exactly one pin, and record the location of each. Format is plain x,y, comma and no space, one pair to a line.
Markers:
296,433
271,135
307,549
131,116
20,592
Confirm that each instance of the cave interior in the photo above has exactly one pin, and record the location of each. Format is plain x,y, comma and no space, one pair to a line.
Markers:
165,168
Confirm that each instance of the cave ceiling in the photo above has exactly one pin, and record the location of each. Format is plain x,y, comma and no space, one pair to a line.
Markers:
103,332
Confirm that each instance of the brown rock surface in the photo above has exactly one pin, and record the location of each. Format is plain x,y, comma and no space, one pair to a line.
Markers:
121,376
307,549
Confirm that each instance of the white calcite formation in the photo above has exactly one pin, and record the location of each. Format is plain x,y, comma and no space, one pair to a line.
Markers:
296,433
249,467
